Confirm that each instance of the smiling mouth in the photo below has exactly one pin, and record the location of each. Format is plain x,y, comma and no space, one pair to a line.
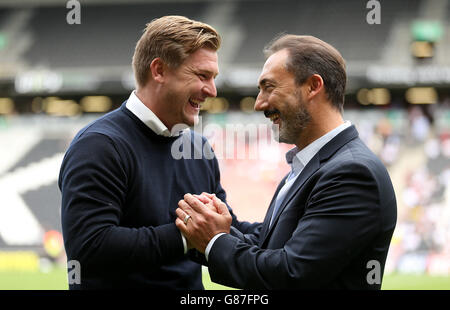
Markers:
273,115
197,104
274,118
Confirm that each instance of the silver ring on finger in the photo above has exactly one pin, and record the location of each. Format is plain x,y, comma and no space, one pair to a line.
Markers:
186,219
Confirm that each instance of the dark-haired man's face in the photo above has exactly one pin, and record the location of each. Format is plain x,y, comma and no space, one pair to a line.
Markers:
281,100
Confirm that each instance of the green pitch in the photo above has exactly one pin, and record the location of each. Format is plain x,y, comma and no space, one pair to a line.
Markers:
390,282
56,279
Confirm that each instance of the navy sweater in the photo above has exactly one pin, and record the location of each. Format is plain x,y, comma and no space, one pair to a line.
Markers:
120,187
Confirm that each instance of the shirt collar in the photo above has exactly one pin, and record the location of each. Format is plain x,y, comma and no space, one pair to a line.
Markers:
138,108
298,159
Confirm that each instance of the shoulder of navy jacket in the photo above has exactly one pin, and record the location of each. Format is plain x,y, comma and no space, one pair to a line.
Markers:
347,135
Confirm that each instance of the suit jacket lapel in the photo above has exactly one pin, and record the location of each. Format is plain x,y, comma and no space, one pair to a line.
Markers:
269,212
310,168
314,164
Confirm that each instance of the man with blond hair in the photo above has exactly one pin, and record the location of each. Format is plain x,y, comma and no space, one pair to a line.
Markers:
120,183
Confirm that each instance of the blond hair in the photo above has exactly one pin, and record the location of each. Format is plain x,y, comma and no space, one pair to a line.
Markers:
173,39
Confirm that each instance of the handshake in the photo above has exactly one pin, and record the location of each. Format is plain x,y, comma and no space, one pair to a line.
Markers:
200,218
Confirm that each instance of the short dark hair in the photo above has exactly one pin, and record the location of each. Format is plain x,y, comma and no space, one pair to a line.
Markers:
309,55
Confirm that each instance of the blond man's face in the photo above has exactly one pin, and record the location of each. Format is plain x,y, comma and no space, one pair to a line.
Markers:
188,86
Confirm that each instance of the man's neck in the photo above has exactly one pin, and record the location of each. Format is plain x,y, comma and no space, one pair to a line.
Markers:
150,100
317,127
146,98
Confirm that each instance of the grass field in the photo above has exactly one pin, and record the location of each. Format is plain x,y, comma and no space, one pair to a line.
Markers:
56,279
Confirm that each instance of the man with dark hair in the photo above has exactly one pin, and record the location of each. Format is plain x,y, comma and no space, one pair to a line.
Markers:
119,180
331,219
310,55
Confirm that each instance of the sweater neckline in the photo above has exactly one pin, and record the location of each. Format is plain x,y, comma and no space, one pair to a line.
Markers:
148,131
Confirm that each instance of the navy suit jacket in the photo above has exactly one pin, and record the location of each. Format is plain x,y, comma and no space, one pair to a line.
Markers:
332,230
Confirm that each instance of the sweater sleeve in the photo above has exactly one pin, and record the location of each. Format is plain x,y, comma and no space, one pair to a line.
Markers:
93,182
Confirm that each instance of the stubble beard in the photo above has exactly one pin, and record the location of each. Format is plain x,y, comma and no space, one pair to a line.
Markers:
292,124
179,110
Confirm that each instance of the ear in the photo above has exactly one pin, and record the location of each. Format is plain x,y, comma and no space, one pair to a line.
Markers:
158,70
314,85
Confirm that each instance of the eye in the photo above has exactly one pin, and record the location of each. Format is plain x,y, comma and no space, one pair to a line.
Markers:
269,88
202,76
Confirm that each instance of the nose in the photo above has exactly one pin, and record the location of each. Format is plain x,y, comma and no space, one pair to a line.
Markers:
210,89
261,103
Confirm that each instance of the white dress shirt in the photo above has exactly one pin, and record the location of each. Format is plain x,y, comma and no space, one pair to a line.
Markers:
138,108
297,159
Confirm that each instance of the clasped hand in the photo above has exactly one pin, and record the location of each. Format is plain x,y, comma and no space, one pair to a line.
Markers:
208,217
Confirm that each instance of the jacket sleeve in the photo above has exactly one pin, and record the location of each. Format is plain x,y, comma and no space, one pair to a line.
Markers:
93,181
341,217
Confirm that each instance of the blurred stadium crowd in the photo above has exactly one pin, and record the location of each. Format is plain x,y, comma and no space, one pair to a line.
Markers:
55,78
